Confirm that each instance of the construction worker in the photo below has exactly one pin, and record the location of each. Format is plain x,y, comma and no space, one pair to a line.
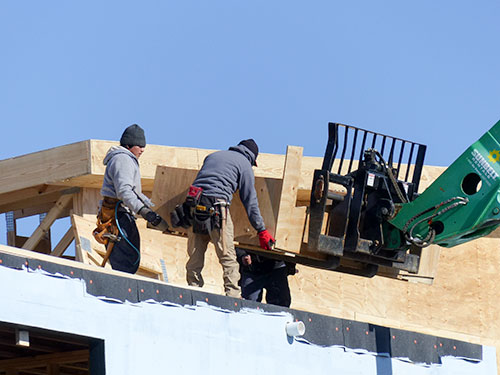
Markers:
259,273
122,198
223,173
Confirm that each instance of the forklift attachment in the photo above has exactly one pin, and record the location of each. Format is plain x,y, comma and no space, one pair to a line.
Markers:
365,176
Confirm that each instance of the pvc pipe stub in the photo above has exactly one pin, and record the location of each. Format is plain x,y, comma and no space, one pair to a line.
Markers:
295,328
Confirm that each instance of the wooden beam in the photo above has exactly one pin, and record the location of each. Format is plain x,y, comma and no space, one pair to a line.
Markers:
63,244
45,167
45,360
37,210
31,197
45,225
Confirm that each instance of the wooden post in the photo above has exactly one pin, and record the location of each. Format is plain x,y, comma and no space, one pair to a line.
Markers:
11,228
291,219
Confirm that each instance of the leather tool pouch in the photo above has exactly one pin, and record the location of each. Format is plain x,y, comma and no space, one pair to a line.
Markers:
106,222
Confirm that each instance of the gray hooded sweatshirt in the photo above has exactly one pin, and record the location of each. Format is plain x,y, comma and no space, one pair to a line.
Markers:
122,179
224,172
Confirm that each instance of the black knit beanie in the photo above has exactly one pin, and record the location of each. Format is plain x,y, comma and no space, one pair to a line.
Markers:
133,136
252,146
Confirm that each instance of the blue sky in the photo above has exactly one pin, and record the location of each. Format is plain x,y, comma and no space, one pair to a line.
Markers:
210,73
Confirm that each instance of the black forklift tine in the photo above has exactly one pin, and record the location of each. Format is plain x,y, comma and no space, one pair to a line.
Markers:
419,164
346,137
408,164
374,139
383,146
353,149
391,153
331,147
365,134
400,156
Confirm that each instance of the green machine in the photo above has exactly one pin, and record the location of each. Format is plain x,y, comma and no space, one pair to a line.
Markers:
370,212
462,204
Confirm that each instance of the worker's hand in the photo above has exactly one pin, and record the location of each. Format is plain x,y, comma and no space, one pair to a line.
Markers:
266,240
151,216
246,260
163,227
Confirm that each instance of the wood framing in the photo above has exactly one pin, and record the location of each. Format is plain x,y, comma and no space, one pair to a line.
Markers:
44,226
462,302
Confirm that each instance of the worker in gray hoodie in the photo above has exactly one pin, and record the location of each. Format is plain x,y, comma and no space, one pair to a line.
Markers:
223,173
122,198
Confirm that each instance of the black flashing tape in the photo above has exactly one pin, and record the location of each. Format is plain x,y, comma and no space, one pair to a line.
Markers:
226,303
13,261
359,335
182,296
320,329
417,347
158,292
111,286
54,268
454,348
265,307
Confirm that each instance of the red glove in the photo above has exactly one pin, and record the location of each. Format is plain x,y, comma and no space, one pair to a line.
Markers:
266,240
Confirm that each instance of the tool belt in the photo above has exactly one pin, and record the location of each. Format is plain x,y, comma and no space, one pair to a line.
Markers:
207,215
106,228
199,211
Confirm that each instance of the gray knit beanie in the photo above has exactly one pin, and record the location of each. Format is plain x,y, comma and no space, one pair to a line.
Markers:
133,136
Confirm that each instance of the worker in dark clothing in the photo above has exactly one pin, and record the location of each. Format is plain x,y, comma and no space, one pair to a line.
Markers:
259,273
122,198
223,173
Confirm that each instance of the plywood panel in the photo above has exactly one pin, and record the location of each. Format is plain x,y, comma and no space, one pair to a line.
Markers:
171,186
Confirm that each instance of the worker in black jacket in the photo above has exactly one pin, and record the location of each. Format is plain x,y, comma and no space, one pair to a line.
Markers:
222,174
259,273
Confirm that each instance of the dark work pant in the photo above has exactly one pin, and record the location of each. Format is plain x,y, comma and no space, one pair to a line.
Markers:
275,283
124,257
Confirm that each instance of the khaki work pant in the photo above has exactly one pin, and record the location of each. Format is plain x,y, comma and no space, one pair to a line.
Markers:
223,240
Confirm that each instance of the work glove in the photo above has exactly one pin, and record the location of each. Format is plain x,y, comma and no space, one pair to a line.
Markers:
154,219
266,240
